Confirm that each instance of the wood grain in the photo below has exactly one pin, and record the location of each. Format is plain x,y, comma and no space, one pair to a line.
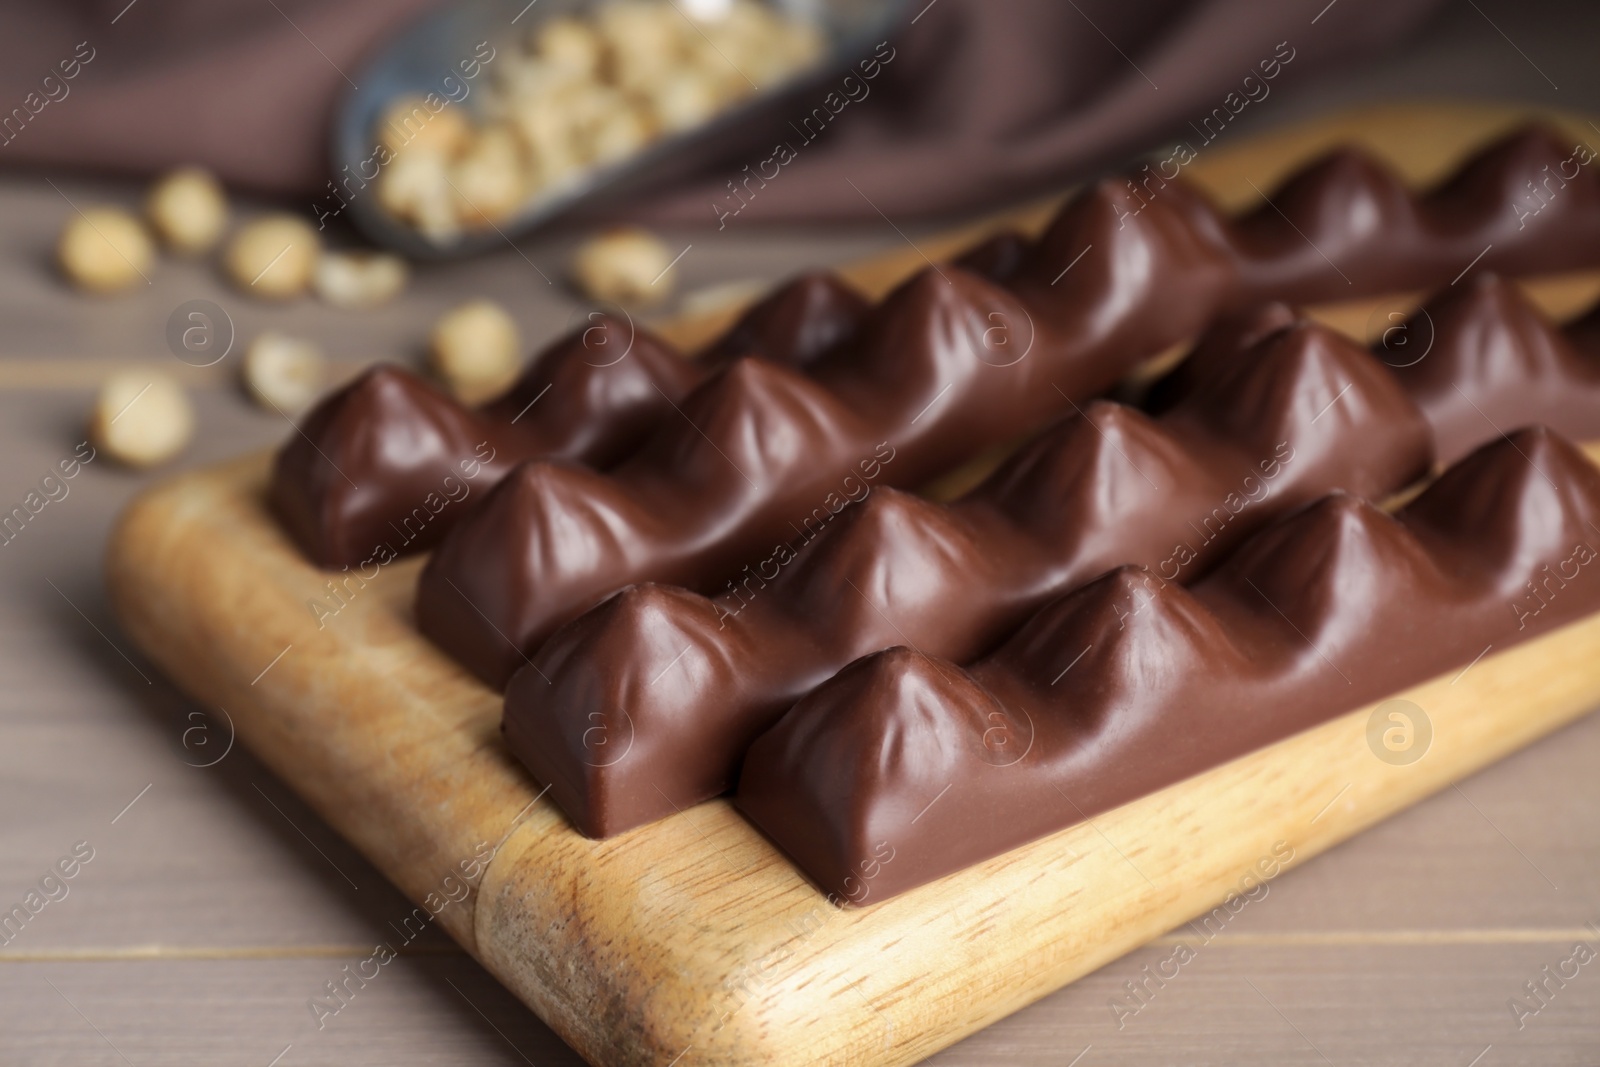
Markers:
694,933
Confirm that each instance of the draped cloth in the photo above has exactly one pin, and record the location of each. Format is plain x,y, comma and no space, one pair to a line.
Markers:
981,101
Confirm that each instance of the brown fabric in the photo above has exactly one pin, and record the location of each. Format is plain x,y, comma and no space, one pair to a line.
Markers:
983,100
246,87
990,99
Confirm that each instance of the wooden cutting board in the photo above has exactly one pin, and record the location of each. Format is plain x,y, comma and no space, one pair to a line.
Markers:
693,941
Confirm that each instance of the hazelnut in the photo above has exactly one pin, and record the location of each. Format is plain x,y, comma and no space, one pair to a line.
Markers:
476,349
104,249
625,265
273,256
584,107
548,140
284,373
618,133
359,280
188,210
488,181
410,126
722,63
683,99
141,418
774,58
641,40
533,79
753,42
416,188
569,45
751,23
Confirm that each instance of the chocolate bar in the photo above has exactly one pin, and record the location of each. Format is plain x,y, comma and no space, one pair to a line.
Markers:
645,704
797,323
1481,357
1478,357
951,363
947,579
996,257
372,459
1132,683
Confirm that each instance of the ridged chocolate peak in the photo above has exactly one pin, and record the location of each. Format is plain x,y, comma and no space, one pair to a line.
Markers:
604,384
915,725
1491,362
1486,333
514,523
996,257
1108,461
1216,348
1517,503
1133,631
745,428
1300,575
943,330
1525,181
332,499
902,745
847,577
1109,250
801,319
1497,171
1310,388
1116,215
914,733
1350,201
663,628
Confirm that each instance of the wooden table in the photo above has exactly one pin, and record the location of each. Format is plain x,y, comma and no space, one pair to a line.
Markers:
216,904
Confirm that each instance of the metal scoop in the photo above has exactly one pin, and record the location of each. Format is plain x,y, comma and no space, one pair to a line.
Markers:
421,58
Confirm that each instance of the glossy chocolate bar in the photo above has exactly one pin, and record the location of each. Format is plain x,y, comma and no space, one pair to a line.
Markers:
645,704
1130,683
952,362
374,461
1480,359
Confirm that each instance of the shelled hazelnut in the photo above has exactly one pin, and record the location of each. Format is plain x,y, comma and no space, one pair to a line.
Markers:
410,125
188,210
273,257
617,132
642,40
682,99
626,265
415,188
547,137
284,373
104,250
569,45
141,418
476,349
359,279
488,182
